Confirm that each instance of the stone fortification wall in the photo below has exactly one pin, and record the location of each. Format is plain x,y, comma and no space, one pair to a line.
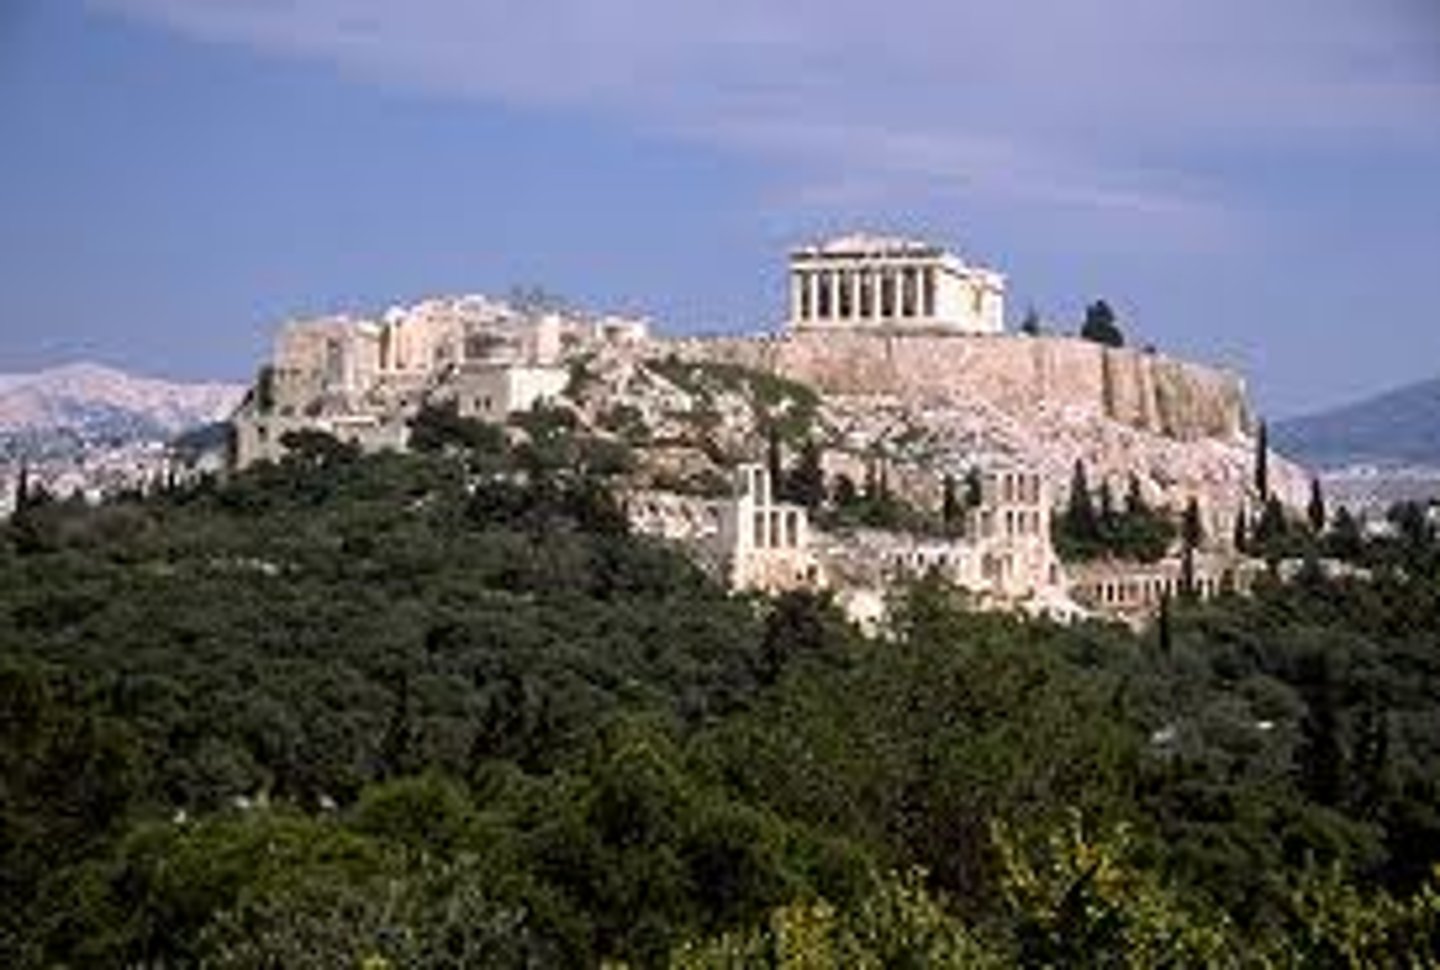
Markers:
1148,391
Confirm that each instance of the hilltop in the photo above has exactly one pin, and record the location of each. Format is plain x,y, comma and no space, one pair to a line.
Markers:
91,402
1398,427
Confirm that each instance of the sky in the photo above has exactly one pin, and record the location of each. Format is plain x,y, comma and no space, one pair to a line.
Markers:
1255,185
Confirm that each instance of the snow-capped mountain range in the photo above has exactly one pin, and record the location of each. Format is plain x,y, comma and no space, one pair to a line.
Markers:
93,402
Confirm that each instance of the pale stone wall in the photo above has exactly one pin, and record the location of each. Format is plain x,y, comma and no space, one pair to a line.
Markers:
1147,391
492,392
765,543
1132,591
750,540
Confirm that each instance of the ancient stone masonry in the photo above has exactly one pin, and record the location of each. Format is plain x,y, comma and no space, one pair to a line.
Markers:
362,380
1004,558
750,539
894,356
890,284
1145,391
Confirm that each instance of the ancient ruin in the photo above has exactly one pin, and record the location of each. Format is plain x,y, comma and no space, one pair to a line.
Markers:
893,353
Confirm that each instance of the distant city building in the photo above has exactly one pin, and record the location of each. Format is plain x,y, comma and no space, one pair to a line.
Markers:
881,282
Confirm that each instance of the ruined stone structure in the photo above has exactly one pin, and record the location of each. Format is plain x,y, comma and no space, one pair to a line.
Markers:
891,284
765,542
362,380
1146,391
750,539
1132,591
1004,557
905,344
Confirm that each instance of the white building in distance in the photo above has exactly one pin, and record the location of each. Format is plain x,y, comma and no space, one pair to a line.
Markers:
889,283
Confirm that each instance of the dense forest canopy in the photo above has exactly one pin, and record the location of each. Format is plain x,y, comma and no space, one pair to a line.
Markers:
443,710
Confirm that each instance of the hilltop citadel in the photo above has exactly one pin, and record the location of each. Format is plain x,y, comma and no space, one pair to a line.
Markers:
895,356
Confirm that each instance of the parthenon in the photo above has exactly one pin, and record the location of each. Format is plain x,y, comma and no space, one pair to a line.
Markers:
863,281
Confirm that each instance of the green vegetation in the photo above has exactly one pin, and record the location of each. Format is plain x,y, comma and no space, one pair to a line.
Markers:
442,710
788,407
1091,526
1100,326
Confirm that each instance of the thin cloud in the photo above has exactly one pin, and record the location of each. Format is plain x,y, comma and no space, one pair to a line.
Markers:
1046,102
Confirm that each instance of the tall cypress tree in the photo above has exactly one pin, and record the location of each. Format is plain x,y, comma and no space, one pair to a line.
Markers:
1316,510
774,462
1166,634
950,513
1188,588
1262,462
806,483
1080,519
1192,530
1134,500
22,489
1345,540
974,488
1108,521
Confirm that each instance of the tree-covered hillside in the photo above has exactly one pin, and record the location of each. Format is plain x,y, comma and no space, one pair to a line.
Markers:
441,710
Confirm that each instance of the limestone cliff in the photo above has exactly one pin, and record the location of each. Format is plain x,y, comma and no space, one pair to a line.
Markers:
932,405
1017,374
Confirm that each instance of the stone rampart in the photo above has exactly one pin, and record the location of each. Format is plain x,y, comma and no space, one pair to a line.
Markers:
1148,391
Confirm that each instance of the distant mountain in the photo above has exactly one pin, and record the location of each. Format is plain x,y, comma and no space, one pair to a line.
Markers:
1400,427
82,404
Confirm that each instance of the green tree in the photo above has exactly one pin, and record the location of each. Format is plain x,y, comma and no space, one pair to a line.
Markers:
1081,525
1100,325
775,462
1080,900
952,515
1315,510
1241,537
974,488
1192,529
1272,531
438,427
807,479
1262,462
1344,540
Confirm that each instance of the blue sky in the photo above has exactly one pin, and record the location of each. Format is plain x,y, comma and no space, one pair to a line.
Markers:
1256,185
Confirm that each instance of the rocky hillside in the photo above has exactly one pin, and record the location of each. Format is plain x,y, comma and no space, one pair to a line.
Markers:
1147,391
95,404
696,405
